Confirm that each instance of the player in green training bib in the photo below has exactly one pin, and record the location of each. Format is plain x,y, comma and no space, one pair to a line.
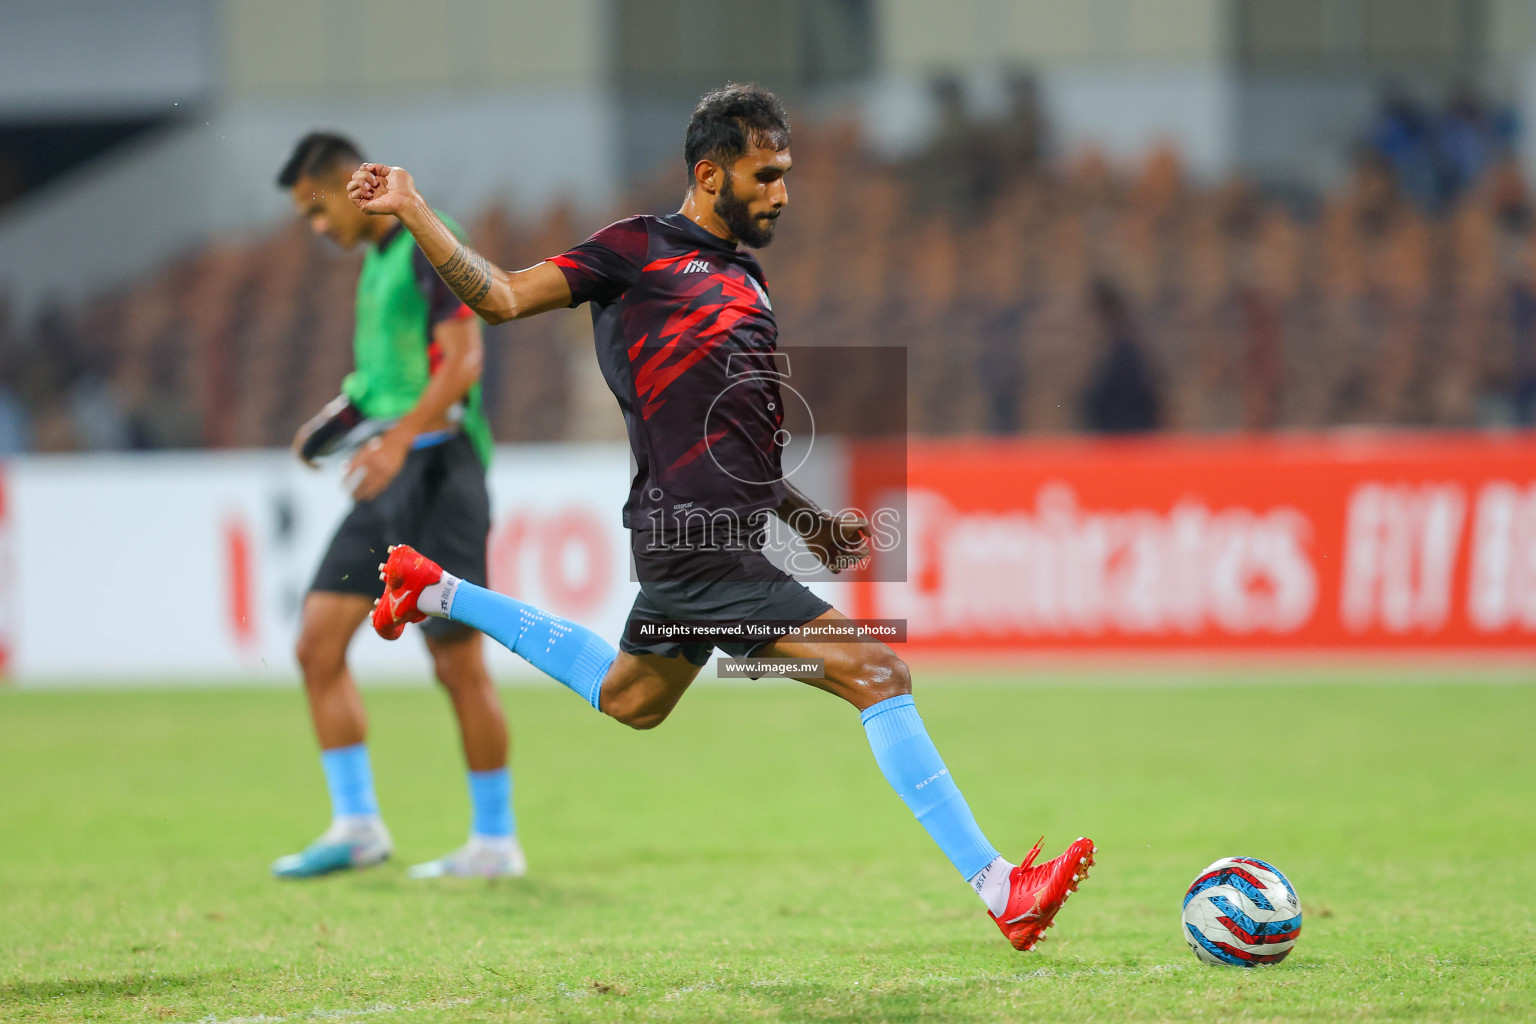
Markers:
412,406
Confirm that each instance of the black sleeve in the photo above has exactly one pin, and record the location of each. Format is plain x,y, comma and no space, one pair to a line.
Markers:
603,266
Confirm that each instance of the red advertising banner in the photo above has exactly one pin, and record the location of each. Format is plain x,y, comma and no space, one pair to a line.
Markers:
1329,542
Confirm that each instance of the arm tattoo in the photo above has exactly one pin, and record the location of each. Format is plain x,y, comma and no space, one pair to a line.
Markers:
467,275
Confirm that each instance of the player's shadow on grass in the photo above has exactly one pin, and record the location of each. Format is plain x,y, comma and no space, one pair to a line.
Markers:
15,993
515,895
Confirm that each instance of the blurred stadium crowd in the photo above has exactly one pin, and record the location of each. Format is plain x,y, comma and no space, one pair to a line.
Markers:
1033,296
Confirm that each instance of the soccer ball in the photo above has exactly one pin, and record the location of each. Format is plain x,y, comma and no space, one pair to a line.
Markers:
1241,912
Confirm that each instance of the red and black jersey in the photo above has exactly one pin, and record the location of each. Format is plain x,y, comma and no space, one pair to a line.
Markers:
685,335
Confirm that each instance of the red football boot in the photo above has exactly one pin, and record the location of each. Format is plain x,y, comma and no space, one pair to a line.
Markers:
405,575
1036,892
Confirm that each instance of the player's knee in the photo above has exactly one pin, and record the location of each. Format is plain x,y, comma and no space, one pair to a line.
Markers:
642,717
637,713
645,719
882,677
320,657
457,663
457,678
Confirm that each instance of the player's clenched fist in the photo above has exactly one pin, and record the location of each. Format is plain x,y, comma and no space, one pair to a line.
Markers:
378,189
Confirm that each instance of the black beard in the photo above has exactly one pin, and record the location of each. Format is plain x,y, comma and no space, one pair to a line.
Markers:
737,218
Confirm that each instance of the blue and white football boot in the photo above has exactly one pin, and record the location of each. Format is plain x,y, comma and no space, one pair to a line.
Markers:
481,857
350,844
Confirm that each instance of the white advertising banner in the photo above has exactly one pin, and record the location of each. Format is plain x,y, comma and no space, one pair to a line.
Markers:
192,567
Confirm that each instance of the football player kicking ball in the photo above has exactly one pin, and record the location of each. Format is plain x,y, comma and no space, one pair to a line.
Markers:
680,310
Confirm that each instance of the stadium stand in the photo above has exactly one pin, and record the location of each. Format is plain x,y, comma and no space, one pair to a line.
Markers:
1032,297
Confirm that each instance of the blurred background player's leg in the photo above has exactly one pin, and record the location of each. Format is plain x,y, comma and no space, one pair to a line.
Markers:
356,837
458,657
449,513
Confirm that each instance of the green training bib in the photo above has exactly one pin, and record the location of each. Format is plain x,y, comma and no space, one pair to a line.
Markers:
391,341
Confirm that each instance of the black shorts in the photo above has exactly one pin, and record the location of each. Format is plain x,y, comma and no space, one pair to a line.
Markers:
715,586
438,505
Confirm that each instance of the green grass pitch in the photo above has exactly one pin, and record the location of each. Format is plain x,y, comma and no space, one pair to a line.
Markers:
746,862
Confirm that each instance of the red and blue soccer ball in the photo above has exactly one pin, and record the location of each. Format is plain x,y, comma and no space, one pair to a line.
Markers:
1241,912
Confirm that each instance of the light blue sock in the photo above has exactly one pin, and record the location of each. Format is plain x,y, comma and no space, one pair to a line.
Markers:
490,800
349,777
570,653
912,766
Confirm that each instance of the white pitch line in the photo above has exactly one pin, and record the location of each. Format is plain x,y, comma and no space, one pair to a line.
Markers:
1063,971
342,1014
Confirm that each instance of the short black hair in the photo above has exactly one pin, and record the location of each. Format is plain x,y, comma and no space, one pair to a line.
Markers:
728,120
318,153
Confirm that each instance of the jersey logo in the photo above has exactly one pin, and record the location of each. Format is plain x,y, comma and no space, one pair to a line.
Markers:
697,267
760,293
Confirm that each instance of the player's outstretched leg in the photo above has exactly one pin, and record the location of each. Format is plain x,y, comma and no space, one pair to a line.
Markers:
415,587
1022,899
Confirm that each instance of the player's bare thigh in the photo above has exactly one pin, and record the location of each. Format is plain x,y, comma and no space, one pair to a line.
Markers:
862,674
641,690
